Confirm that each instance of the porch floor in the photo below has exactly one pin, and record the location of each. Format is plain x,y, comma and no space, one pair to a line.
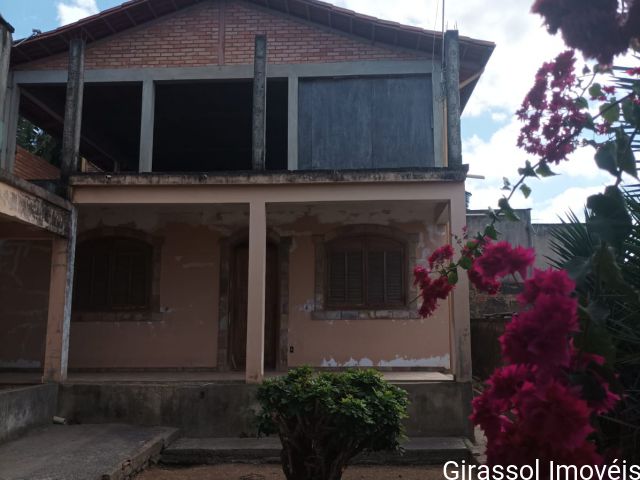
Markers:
30,378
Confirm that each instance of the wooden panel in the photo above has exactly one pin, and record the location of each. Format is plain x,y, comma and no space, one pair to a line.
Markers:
360,123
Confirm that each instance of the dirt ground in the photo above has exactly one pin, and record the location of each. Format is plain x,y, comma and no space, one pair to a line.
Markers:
274,472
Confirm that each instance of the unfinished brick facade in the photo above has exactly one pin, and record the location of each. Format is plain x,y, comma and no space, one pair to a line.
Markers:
222,33
32,167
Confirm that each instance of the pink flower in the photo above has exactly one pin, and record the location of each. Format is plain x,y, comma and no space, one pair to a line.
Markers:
548,282
431,290
441,255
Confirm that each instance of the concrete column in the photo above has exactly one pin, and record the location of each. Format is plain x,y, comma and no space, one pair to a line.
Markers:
9,129
255,298
259,103
292,163
146,127
460,314
60,295
72,113
452,87
6,41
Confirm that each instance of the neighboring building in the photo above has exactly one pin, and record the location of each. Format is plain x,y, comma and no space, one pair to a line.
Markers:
271,173
490,313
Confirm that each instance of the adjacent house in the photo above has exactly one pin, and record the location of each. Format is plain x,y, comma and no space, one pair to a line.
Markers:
245,186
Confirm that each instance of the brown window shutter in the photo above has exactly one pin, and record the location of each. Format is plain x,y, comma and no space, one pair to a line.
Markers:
113,274
376,278
394,277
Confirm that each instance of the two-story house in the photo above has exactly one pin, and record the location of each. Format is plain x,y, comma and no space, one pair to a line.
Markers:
265,176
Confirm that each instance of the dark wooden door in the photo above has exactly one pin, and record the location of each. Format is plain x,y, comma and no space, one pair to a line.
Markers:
238,324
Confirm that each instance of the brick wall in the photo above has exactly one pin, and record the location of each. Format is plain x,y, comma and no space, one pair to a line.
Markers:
222,33
31,167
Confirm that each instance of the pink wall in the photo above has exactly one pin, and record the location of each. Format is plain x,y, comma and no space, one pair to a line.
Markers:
186,334
24,297
384,342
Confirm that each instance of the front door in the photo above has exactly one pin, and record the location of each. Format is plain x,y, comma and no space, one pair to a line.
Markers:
238,324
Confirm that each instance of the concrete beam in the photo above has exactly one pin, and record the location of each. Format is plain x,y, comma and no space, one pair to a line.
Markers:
73,112
24,206
231,72
292,125
254,372
452,87
146,127
56,355
259,117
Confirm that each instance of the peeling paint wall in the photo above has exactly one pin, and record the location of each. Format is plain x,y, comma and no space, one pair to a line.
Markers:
187,332
24,297
383,342
185,335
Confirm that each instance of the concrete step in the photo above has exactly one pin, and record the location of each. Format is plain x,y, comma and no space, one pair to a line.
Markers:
83,452
212,451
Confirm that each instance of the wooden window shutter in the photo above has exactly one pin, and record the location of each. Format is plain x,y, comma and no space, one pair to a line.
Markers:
113,274
365,272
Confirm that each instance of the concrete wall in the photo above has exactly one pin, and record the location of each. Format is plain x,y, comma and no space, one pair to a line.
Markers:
23,408
219,410
183,333
24,295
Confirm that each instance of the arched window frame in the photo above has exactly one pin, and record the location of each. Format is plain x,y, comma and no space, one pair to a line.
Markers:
326,308
149,247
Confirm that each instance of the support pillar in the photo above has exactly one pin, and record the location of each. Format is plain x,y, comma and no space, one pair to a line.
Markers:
146,127
72,113
255,298
452,87
259,122
56,353
6,41
460,313
292,162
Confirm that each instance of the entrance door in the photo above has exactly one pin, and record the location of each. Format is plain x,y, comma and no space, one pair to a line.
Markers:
238,324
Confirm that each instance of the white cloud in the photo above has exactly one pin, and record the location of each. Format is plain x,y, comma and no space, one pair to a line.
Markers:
572,199
523,44
70,11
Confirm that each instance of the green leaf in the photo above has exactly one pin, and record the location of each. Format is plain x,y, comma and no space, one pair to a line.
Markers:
453,277
466,263
610,112
606,157
609,219
491,232
544,171
582,102
527,171
578,269
506,184
506,209
631,113
626,160
609,273
595,90
526,191
598,312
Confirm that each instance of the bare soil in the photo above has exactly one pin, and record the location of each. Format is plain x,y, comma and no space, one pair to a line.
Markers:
274,472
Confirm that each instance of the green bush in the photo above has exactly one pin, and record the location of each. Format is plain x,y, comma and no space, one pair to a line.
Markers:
326,419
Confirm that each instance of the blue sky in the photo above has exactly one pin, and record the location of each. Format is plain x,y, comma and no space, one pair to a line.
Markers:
489,128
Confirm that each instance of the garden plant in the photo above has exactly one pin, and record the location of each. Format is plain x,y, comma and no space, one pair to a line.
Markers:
325,419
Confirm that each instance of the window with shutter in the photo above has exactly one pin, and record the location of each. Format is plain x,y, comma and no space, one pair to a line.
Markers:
113,274
365,272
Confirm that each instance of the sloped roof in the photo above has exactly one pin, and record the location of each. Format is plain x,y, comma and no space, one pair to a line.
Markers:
474,54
